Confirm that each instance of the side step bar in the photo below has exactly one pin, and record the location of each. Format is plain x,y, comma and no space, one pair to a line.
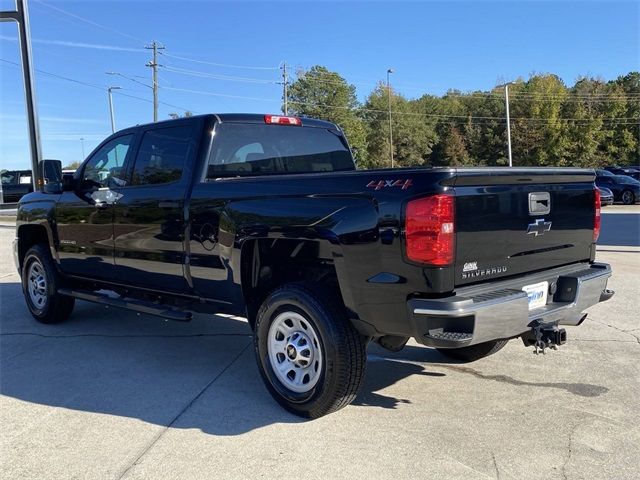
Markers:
135,305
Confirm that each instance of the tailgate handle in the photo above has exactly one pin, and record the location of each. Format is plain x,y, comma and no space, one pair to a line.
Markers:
539,203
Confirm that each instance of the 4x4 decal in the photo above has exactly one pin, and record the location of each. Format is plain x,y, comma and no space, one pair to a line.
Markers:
380,184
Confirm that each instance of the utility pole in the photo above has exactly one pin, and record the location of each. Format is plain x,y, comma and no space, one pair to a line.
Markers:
390,71
506,101
21,17
113,120
154,75
82,144
285,82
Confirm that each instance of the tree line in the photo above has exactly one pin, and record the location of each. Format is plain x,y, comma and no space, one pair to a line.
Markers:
589,124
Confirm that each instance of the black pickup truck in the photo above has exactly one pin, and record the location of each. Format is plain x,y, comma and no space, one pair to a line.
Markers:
267,217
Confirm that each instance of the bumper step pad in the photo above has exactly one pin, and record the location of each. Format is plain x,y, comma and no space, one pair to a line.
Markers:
449,336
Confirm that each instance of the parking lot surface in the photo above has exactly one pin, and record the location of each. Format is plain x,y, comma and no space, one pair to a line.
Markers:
111,394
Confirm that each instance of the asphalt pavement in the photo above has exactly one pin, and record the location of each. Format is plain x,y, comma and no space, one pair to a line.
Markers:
111,394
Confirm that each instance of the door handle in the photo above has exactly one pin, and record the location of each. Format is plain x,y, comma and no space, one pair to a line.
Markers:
169,205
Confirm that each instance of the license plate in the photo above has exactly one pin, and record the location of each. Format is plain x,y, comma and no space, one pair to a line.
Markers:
537,294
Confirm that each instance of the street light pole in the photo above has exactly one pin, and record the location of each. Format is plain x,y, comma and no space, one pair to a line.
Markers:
21,16
82,143
506,101
390,71
113,120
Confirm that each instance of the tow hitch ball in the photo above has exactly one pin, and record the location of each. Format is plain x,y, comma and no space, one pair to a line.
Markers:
542,337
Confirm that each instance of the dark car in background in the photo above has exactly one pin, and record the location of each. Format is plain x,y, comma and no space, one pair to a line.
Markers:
15,184
625,189
606,197
631,171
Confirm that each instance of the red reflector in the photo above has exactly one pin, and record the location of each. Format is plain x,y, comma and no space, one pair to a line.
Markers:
596,215
429,230
280,120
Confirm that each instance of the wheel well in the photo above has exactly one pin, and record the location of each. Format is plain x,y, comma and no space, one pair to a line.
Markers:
28,236
268,263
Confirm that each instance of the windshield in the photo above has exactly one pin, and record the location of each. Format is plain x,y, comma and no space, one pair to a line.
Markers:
604,173
244,149
15,177
626,180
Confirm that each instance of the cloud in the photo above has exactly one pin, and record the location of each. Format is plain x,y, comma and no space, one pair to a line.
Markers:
58,137
64,43
51,119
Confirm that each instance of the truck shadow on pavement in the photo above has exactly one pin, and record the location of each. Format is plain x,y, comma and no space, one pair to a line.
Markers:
200,374
431,356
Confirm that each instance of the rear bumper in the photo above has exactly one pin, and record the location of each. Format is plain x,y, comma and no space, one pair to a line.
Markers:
482,313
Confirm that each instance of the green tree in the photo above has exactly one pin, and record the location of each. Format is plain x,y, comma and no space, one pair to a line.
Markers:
71,166
627,133
320,93
538,130
414,134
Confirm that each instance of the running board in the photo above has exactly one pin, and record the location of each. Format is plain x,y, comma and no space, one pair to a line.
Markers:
135,305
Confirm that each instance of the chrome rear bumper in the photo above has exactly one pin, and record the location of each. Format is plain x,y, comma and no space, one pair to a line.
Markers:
489,312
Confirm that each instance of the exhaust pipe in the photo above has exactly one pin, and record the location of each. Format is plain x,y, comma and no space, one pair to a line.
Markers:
606,295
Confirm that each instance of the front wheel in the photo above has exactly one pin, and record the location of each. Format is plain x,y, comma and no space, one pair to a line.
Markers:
40,283
628,198
474,352
310,357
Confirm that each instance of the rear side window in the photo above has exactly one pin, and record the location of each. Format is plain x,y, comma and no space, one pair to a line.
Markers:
162,155
243,149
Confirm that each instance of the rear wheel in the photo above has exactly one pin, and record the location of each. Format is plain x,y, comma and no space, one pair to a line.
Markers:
310,357
628,197
474,352
40,283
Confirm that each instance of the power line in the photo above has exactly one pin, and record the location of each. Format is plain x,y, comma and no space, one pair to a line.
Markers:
214,94
215,64
151,101
87,21
197,73
442,117
395,113
91,85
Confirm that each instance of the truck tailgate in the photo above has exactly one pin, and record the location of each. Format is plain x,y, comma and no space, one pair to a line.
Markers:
515,221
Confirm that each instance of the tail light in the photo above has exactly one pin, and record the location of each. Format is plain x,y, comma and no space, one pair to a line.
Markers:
596,214
429,230
282,120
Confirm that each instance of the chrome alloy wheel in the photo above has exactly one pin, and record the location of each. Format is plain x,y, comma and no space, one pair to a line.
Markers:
37,285
295,352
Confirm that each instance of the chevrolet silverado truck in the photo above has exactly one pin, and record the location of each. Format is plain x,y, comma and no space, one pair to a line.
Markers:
266,217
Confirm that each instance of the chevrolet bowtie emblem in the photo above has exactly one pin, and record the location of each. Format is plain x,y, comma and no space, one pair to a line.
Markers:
538,227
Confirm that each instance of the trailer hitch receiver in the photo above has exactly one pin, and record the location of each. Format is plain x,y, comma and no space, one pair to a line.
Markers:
543,336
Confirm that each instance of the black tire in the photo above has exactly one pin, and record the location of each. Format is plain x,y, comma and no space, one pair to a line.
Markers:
342,354
474,352
628,197
53,308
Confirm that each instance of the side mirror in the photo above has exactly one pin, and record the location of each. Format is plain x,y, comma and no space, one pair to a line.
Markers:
50,176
